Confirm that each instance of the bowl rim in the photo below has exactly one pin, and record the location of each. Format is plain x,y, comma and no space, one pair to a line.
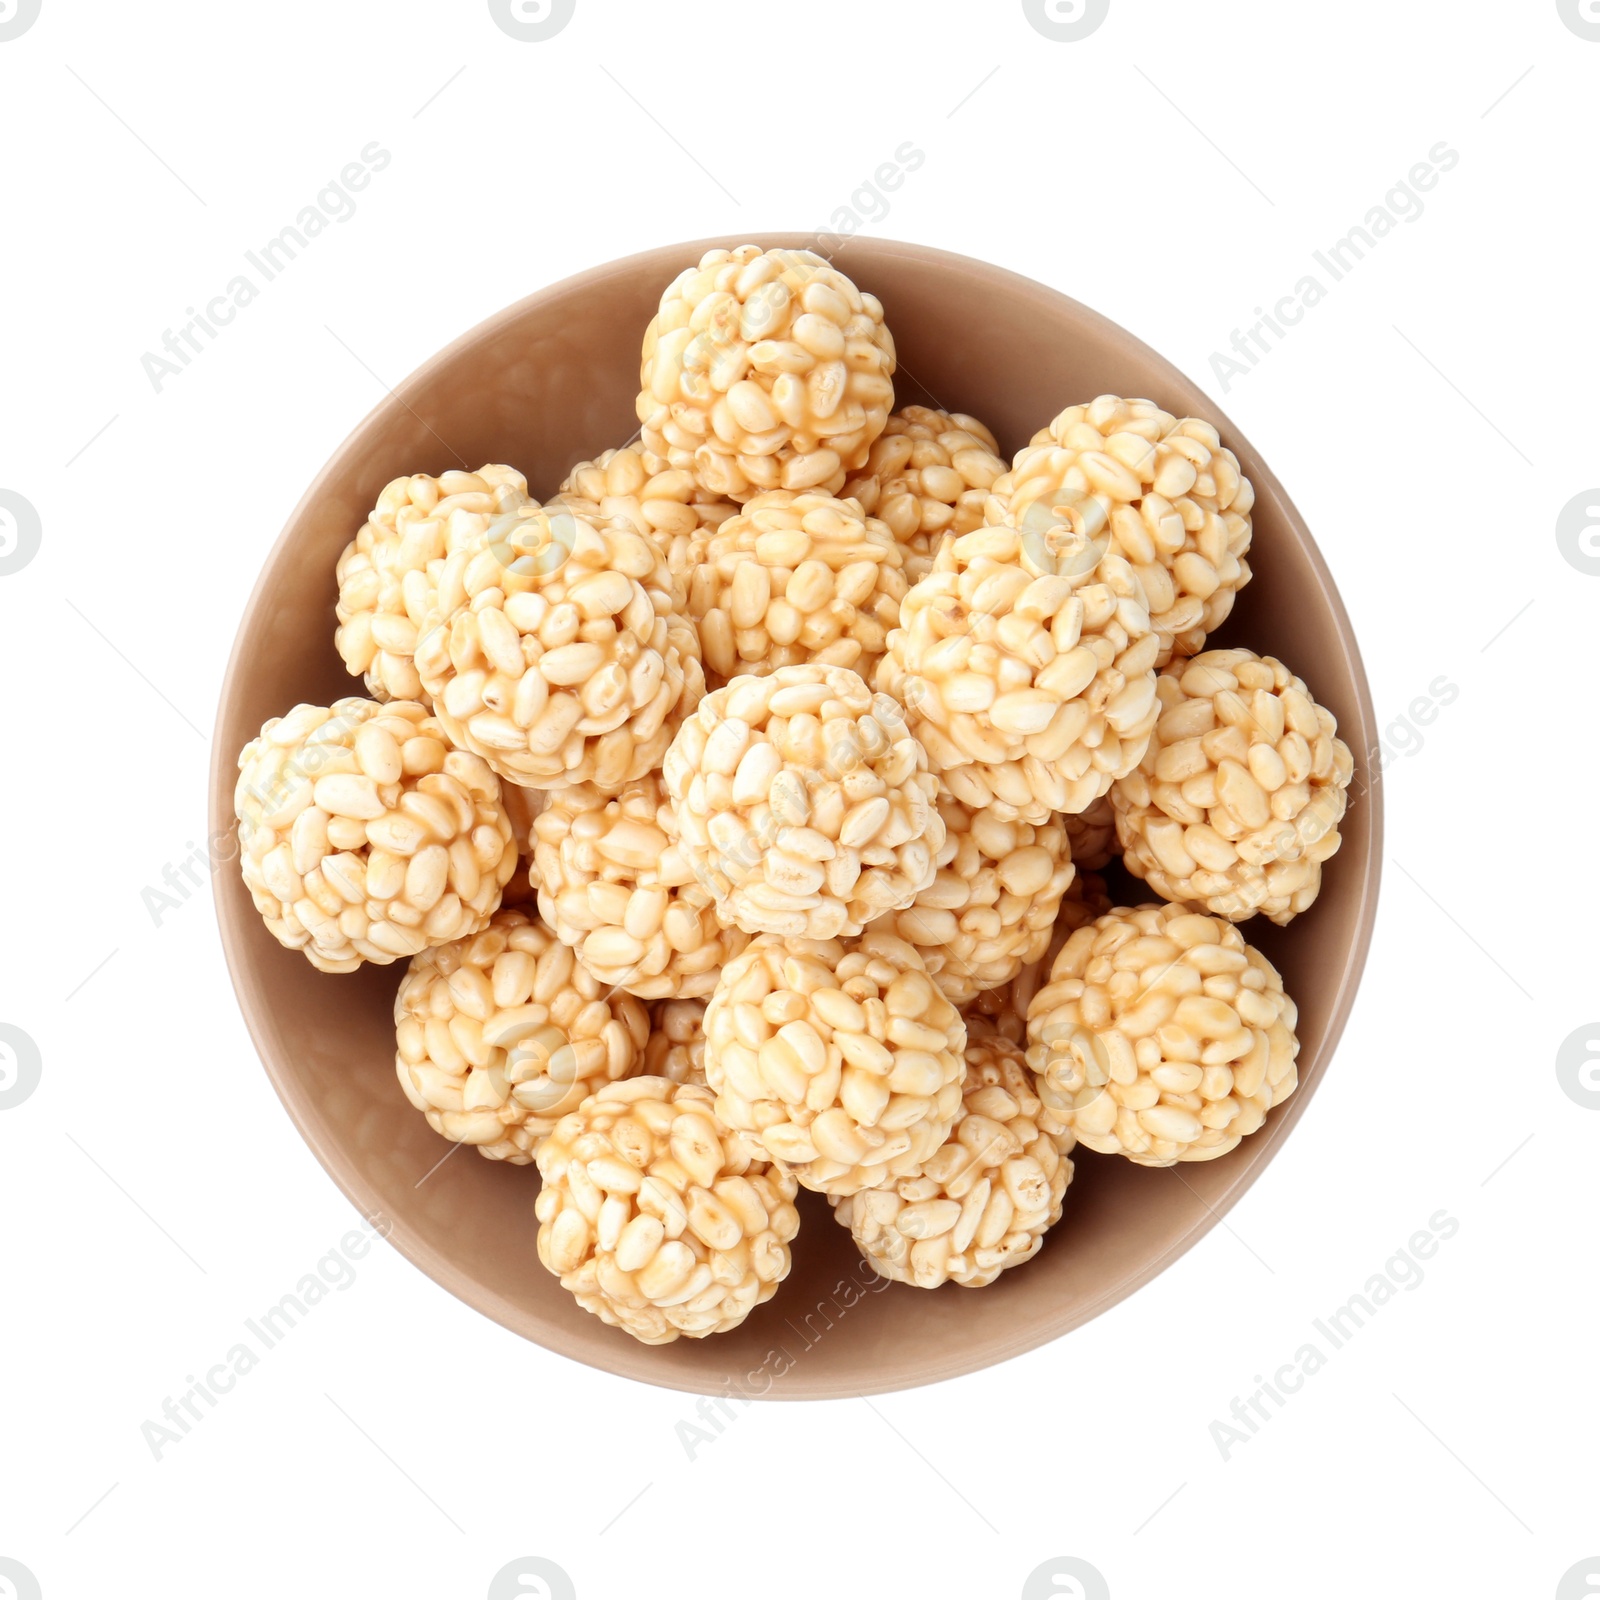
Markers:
627,1359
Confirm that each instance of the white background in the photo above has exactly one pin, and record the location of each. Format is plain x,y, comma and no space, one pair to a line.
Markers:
1175,170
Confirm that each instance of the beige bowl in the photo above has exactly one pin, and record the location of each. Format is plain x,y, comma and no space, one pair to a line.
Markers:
547,383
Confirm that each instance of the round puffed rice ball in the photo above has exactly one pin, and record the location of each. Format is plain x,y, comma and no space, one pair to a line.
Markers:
765,370
1237,801
1092,834
1159,490
927,475
993,900
842,1060
389,572
676,1048
498,1036
1162,1036
656,499
614,885
364,837
557,652
1004,1010
657,1218
985,1197
794,578
1025,662
803,803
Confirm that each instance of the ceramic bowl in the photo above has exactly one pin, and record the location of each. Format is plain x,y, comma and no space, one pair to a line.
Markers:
549,382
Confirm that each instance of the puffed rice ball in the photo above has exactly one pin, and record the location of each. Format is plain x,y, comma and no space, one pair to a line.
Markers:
794,578
364,837
1005,1009
1092,834
614,885
388,573
499,1035
1162,1036
984,1199
1025,664
993,900
1237,801
927,476
657,1218
676,1048
803,803
656,499
1159,490
765,370
556,650
842,1060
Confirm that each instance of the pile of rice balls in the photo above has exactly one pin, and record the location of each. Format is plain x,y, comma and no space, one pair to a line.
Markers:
736,810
